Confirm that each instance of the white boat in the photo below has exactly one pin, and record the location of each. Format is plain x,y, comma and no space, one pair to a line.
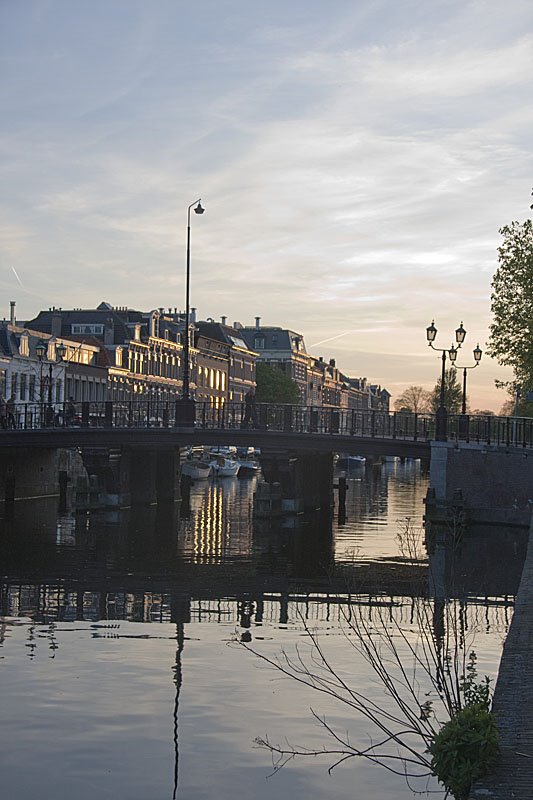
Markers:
198,470
224,467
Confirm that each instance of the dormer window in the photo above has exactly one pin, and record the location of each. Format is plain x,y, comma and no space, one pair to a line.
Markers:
24,348
259,342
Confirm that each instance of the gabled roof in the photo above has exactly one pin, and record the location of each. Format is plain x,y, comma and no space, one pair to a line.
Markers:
274,338
113,319
223,333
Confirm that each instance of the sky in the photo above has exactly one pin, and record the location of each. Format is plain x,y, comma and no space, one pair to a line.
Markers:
356,160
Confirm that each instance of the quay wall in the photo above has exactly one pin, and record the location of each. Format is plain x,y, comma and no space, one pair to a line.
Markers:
493,484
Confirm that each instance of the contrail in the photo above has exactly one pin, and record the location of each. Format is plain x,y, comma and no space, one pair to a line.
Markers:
332,338
17,277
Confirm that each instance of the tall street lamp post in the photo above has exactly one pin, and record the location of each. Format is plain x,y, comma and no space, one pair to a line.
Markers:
441,428
478,352
41,349
185,409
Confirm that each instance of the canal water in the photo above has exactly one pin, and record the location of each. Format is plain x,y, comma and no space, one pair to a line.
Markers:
132,643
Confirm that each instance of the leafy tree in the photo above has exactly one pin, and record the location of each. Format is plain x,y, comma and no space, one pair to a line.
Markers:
273,386
453,393
511,333
414,399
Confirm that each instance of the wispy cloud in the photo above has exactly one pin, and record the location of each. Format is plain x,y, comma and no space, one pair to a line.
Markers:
355,164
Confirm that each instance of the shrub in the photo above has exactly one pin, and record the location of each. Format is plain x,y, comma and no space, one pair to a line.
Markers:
464,749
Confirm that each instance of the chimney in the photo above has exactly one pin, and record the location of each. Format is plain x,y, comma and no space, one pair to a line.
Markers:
12,319
223,320
258,322
109,331
332,362
192,316
55,328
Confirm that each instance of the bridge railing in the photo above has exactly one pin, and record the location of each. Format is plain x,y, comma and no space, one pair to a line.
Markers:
508,431
491,430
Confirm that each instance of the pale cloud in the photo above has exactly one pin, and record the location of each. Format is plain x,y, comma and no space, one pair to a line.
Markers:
355,165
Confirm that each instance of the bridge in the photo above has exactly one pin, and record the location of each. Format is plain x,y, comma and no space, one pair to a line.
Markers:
153,423
133,449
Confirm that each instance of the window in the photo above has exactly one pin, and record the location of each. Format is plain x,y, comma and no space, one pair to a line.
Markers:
91,329
24,345
259,342
32,388
23,379
14,385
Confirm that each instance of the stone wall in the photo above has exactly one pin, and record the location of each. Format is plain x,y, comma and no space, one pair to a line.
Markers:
494,483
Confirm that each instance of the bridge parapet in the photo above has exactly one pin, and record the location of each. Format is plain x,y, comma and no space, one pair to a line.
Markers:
363,423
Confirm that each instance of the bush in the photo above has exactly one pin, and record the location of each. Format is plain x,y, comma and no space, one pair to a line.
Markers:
464,749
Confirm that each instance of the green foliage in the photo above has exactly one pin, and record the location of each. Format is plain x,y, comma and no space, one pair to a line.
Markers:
453,394
465,748
273,386
511,333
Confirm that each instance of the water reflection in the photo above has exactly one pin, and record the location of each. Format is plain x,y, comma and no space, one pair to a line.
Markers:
82,594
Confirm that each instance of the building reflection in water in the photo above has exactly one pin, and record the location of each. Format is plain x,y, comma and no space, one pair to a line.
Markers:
217,564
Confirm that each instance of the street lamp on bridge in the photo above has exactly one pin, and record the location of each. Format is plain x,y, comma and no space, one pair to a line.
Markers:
185,409
442,413
41,349
477,352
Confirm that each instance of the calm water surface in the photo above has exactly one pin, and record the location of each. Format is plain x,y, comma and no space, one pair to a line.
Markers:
121,666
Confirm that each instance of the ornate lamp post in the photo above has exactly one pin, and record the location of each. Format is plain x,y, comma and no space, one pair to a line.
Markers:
41,348
441,431
478,352
185,410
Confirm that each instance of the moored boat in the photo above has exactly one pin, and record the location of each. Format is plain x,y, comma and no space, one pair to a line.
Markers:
223,467
197,470
350,462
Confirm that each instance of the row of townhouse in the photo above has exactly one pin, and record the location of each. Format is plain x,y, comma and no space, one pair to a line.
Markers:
118,353
321,383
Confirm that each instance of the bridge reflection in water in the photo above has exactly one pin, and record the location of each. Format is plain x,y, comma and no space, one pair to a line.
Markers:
213,564
135,564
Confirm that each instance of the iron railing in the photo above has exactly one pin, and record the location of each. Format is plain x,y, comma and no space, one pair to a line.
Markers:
491,430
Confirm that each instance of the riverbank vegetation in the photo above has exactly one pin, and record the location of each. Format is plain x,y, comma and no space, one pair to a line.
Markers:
429,716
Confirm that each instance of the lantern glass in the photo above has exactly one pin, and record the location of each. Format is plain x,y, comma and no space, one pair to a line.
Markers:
452,353
460,334
478,352
41,350
431,332
60,351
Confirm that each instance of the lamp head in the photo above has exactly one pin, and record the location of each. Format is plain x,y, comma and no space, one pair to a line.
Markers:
431,332
60,351
478,352
452,353
198,209
41,349
460,334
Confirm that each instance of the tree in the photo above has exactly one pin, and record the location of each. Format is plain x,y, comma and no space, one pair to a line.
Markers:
453,394
275,387
414,399
511,333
